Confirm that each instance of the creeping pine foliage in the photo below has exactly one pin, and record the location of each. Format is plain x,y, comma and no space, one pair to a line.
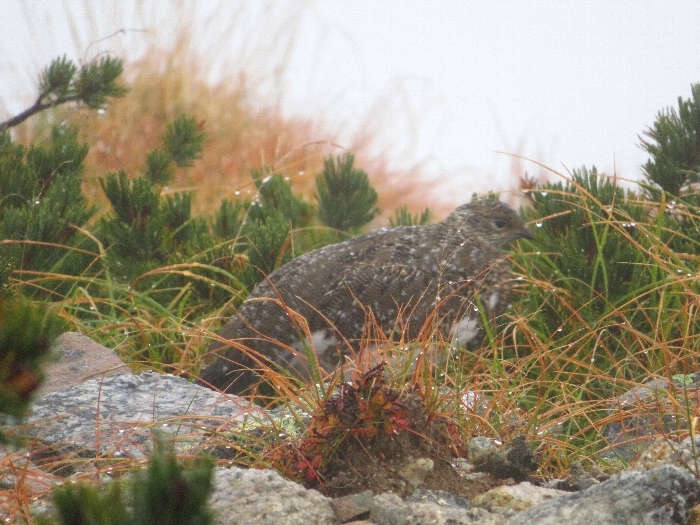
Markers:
166,493
402,217
616,259
26,332
672,143
346,200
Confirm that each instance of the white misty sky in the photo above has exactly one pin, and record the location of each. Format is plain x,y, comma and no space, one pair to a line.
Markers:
446,84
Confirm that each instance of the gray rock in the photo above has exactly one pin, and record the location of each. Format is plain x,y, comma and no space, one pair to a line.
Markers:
480,449
389,509
76,358
439,497
508,499
415,471
648,411
665,452
263,497
430,514
658,497
118,414
353,507
579,479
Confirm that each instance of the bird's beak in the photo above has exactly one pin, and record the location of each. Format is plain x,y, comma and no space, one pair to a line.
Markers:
525,233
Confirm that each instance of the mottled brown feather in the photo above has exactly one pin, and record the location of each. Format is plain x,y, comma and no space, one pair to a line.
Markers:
403,274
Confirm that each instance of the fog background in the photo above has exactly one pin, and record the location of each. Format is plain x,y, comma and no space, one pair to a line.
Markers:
445,86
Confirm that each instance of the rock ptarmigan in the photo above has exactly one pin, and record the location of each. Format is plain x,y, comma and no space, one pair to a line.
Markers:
404,276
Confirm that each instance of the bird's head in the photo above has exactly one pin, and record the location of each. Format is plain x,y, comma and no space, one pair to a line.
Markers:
489,220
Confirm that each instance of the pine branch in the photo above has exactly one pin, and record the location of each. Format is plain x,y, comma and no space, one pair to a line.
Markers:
38,106
61,83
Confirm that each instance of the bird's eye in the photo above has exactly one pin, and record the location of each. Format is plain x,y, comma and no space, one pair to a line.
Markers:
499,224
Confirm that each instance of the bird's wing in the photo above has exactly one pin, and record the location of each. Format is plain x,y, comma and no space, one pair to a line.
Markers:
390,276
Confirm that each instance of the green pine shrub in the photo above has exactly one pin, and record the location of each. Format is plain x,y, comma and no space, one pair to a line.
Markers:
673,142
603,264
346,200
147,228
402,217
27,330
270,220
42,205
7,266
672,173
607,293
167,493
275,196
229,218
